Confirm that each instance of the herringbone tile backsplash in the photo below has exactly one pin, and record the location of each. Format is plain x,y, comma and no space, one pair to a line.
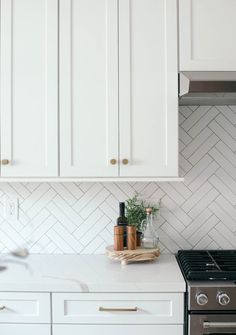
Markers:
79,217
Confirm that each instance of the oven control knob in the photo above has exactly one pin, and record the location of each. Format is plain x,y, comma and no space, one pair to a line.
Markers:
202,299
223,299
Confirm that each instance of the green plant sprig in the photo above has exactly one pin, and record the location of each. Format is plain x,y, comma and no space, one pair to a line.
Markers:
136,211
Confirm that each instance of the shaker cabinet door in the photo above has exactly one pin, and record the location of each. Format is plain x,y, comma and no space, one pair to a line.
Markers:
29,88
88,88
207,35
148,88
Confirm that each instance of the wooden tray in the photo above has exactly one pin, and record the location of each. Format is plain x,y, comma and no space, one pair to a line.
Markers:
131,256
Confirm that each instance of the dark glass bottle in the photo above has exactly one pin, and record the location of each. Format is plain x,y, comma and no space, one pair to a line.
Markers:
122,221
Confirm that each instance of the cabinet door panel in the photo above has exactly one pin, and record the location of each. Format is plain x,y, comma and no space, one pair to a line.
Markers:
117,329
24,329
25,307
207,35
88,88
29,108
148,88
84,308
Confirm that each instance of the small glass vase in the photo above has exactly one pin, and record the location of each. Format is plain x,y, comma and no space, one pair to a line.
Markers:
149,239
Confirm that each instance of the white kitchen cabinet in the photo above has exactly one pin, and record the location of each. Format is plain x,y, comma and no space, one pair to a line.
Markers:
29,86
118,88
117,329
148,88
88,88
207,35
24,329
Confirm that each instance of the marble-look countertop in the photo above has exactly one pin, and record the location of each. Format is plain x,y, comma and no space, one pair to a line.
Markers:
90,273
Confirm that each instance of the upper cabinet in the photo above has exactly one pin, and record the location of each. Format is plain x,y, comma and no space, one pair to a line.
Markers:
117,115
148,105
207,34
118,88
88,88
29,81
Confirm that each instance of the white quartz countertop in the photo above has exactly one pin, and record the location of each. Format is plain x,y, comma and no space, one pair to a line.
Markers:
90,273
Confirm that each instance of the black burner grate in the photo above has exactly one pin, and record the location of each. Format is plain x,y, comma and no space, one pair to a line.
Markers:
208,265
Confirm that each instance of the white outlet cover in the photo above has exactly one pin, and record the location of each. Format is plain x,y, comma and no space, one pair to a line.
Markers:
11,209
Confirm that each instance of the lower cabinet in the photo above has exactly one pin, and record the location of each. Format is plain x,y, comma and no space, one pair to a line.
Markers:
36,313
24,329
118,329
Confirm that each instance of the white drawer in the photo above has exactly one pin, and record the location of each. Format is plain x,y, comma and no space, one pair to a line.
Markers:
118,329
118,308
18,307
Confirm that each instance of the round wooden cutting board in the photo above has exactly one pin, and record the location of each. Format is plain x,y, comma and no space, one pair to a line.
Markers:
131,256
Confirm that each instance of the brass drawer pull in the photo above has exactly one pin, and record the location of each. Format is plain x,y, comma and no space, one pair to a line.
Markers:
118,309
5,161
2,308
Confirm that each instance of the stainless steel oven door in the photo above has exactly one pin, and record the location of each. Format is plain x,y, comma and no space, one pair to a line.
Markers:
212,324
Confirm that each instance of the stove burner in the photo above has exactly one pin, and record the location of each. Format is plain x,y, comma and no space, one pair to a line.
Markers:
208,265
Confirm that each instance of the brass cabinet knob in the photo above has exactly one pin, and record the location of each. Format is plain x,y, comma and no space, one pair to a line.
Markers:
5,161
113,161
125,161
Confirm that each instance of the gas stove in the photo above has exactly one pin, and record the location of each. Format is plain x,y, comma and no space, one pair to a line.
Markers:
210,304
208,265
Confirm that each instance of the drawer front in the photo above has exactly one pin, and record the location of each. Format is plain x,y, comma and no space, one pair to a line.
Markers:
21,329
18,307
118,329
118,308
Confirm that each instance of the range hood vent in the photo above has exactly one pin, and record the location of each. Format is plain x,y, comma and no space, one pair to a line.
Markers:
204,88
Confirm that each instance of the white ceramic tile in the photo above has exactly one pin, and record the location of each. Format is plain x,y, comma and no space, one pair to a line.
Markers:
195,117
227,152
196,197
203,203
222,133
197,169
204,176
223,189
197,223
203,122
203,149
229,112
222,161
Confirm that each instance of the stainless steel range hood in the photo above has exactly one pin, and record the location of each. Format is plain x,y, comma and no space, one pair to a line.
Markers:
207,88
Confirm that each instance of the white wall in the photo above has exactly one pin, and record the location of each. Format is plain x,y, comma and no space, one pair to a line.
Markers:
199,213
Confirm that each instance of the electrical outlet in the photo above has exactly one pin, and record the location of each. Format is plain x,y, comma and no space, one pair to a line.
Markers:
11,209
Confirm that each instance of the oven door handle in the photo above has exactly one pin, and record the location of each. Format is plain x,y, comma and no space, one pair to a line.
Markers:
207,324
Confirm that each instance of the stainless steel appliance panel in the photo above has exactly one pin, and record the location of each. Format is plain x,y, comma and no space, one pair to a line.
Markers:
212,324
